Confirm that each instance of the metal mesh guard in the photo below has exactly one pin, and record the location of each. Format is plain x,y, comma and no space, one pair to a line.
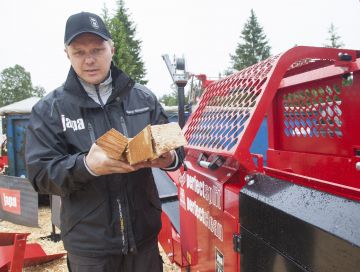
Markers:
313,112
221,117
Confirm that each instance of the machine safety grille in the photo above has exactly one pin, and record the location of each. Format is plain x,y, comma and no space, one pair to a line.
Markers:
226,107
313,112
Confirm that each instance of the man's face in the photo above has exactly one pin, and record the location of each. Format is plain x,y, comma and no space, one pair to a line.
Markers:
90,56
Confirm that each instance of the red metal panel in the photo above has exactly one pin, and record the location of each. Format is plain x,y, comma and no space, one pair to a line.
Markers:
170,241
16,254
314,131
319,116
207,221
165,238
3,163
12,251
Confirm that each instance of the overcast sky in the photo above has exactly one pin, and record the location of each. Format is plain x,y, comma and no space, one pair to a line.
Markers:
204,31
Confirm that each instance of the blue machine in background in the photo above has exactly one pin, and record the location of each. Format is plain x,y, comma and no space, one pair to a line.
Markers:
15,118
16,136
174,117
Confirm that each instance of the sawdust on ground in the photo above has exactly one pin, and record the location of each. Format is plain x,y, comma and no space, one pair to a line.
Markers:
52,247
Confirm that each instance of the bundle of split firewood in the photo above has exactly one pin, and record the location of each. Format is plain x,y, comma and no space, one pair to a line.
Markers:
149,144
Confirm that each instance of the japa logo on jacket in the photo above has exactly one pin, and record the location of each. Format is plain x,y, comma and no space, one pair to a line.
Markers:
75,125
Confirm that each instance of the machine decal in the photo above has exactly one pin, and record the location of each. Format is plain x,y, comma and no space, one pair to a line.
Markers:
212,194
219,261
204,217
182,179
182,198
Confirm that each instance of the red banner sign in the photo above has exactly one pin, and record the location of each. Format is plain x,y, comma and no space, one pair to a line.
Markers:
10,200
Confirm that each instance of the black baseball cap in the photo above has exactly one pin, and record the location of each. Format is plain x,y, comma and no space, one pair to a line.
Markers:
85,22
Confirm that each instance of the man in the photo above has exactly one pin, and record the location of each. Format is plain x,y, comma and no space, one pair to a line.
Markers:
110,214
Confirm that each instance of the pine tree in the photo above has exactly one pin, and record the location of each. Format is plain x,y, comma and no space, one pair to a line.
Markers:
127,48
254,47
334,38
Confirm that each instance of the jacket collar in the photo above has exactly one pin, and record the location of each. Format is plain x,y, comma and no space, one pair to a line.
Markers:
122,84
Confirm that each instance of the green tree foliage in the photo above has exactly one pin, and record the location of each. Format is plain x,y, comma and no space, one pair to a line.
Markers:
16,85
127,47
334,38
253,47
172,98
169,99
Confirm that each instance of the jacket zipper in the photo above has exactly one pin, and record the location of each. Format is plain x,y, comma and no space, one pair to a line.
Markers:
123,125
91,132
103,107
122,121
122,226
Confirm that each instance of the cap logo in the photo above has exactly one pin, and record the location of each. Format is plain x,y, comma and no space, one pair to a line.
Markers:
94,22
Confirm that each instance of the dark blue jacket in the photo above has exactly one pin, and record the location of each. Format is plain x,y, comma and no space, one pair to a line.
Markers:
62,128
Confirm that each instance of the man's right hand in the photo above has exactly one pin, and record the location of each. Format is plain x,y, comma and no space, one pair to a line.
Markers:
100,164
